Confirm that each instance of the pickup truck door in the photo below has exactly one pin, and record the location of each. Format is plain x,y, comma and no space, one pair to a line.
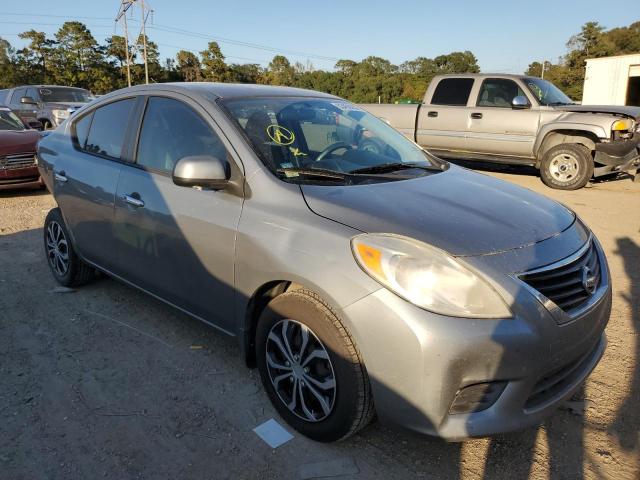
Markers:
495,127
177,243
442,122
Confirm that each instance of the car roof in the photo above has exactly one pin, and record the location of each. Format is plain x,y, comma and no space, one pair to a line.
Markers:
47,86
226,90
484,75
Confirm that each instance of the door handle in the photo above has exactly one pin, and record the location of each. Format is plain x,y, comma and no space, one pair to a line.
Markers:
432,114
133,199
476,115
60,176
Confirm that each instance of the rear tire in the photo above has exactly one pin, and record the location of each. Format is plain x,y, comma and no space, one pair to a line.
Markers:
65,265
338,375
568,166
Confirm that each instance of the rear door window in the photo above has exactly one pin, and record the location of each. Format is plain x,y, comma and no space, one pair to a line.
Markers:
172,130
107,131
81,129
452,91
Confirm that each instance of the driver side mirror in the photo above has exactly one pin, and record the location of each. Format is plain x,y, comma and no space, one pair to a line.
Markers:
28,101
203,171
520,102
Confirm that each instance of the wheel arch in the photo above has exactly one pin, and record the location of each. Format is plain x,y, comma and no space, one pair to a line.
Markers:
557,136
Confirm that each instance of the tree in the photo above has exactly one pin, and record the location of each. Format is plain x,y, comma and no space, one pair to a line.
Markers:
280,71
7,64
189,66
214,67
39,48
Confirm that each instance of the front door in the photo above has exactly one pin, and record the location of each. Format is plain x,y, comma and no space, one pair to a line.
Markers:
177,242
495,127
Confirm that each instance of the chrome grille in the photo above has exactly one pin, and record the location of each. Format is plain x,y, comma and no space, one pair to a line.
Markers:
17,160
569,284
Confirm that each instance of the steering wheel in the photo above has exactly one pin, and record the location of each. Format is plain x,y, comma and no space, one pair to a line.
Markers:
332,148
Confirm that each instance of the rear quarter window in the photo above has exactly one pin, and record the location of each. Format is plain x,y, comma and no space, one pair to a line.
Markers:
452,91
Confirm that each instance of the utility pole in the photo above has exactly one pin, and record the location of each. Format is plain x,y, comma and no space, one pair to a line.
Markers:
122,13
125,5
144,41
543,65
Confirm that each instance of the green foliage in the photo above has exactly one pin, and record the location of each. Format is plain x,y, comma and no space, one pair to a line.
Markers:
593,41
73,57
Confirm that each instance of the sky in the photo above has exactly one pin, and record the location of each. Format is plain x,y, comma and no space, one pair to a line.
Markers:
505,36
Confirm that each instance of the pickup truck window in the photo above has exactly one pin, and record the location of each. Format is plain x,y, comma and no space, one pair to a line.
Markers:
452,91
498,92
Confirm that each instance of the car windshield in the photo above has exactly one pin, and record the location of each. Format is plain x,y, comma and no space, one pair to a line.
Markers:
327,138
9,120
65,95
547,93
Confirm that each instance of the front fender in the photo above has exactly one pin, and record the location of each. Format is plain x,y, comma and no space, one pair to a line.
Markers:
575,127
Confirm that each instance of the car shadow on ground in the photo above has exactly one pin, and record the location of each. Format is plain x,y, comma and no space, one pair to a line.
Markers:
27,192
527,170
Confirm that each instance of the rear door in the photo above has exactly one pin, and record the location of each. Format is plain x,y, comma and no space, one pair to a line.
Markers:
178,242
442,124
86,177
495,127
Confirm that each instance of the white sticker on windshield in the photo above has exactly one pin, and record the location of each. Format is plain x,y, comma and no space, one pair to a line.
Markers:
346,106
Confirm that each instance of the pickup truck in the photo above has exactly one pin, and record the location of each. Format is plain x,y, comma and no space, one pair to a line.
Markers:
520,120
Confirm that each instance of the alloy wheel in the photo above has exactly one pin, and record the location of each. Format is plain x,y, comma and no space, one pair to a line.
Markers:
300,370
57,249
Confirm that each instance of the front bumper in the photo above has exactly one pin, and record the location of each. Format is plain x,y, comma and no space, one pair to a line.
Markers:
618,156
418,361
20,178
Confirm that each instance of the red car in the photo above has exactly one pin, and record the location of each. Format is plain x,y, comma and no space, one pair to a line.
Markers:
17,153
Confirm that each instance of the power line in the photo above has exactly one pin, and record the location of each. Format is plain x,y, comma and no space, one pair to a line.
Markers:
180,31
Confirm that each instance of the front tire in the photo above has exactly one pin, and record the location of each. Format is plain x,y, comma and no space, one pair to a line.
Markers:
311,369
568,166
65,265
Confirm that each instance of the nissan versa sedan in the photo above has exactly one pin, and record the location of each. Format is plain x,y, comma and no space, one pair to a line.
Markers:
358,281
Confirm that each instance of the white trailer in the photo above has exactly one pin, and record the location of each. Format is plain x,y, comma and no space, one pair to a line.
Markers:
612,81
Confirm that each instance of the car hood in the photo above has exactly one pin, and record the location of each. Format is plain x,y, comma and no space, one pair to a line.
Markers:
611,109
20,141
459,211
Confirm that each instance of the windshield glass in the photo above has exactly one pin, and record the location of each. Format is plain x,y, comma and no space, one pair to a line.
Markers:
547,93
332,135
64,95
9,120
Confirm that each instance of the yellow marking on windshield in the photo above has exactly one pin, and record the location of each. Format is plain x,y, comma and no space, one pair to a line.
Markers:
296,152
280,135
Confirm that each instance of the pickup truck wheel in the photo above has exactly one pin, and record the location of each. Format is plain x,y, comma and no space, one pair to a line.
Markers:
311,369
66,267
567,166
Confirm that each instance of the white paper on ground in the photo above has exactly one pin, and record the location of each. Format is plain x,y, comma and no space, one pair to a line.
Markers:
273,433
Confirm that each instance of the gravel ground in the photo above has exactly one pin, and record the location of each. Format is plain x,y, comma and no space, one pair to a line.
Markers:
106,382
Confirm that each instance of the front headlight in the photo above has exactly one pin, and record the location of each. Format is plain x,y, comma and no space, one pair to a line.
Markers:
427,277
622,125
61,114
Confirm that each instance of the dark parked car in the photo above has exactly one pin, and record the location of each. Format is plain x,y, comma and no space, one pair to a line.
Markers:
48,104
17,153
446,301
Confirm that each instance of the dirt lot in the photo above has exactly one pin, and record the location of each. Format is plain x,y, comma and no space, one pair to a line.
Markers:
104,382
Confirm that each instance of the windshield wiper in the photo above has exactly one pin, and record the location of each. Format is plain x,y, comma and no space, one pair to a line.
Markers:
391,167
312,172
